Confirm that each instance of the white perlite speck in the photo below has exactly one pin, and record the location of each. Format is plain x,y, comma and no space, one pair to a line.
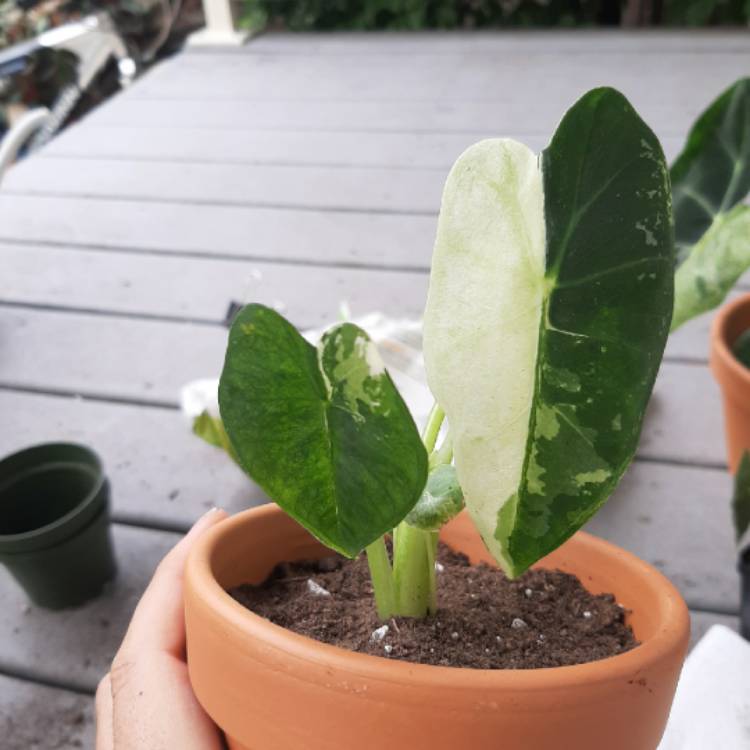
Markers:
518,623
387,648
439,567
316,589
528,593
379,633
587,615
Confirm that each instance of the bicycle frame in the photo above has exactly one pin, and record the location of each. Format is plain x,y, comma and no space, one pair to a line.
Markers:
94,41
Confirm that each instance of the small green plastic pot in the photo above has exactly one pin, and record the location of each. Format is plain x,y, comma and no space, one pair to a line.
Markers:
54,523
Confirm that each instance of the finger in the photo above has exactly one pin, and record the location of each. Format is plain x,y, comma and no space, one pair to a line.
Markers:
158,621
104,715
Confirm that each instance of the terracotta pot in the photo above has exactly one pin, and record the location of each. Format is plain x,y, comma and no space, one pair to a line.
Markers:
270,689
733,377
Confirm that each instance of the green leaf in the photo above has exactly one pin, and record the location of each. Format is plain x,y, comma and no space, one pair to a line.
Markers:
323,430
741,348
441,500
741,500
713,266
712,174
211,430
548,311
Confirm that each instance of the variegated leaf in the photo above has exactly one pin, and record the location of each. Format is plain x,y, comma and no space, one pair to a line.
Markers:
323,430
442,500
548,311
713,266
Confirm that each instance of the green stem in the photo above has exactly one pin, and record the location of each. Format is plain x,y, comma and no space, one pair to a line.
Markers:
382,578
431,540
444,454
432,428
414,572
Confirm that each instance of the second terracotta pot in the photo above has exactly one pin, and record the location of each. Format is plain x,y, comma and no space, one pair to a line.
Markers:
733,377
271,689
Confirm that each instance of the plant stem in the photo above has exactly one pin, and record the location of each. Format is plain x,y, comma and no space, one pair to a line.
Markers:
431,540
432,428
409,588
444,454
414,572
382,578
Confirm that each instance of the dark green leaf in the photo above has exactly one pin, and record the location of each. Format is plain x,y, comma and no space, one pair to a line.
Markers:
549,308
323,430
712,174
741,501
441,500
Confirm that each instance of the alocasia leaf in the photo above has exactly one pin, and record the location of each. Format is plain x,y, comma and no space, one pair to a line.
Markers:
322,429
709,178
441,500
548,311
741,500
712,174
713,266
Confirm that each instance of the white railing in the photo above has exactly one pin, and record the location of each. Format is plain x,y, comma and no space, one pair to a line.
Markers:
220,26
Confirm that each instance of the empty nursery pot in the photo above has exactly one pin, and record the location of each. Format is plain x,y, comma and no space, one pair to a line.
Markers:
271,689
733,377
54,523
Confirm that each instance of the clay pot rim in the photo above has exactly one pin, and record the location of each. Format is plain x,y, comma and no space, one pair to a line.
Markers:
674,621
721,354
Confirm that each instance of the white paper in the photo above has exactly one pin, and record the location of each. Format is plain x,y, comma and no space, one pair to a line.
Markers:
711,709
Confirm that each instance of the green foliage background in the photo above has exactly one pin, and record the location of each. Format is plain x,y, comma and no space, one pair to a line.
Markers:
360,15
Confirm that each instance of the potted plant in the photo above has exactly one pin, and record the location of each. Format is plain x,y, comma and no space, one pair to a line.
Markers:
550,303
710,180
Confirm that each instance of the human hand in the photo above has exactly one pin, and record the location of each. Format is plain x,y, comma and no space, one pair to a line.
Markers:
146,701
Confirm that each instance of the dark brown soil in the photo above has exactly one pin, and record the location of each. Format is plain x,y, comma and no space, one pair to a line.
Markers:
545,618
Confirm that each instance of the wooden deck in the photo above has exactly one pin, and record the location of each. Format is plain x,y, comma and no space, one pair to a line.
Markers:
296,171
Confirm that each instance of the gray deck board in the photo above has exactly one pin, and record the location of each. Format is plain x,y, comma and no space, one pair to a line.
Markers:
301,171
315,237
463,77
201,287
119,358
364,116
678,518
573,41
36,717
700,622
76,646
283,147
375,189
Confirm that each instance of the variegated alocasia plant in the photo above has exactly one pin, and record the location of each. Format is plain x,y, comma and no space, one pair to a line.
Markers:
549,306
710,179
